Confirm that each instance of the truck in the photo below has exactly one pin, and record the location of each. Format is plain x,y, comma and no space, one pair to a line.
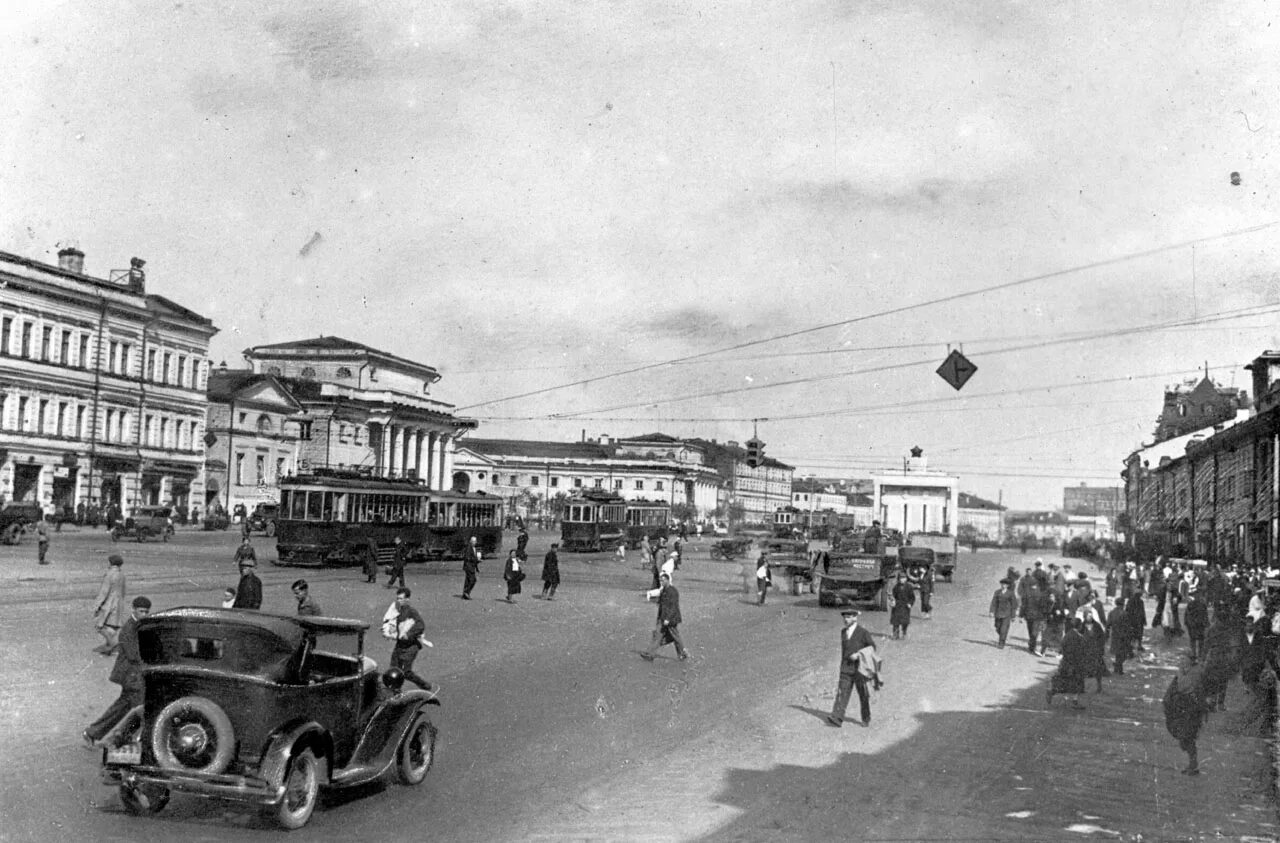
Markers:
850,576
943,546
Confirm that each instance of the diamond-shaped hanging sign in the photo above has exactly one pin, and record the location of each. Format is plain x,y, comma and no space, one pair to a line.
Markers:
956,370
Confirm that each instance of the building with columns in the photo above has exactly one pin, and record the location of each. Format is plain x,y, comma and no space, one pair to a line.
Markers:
364,409
102,388
917,500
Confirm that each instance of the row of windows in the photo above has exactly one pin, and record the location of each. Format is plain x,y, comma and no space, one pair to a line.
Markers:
259,469
26,414
19,338
578,482
379,508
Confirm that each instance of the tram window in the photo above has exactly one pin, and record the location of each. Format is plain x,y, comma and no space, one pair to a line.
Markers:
327,514
340,511
299,510
286,500
315,502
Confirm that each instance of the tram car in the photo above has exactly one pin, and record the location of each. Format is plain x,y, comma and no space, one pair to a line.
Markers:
593,521
646,518
343,518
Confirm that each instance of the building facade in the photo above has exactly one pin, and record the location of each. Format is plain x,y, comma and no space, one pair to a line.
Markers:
917,500
102,388
759,491
1197,404
1106,501
980,519
364,410
252,439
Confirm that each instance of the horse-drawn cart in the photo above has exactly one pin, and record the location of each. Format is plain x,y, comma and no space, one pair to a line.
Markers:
730,548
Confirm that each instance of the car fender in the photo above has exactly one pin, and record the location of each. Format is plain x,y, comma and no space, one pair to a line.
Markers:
388,726
283,744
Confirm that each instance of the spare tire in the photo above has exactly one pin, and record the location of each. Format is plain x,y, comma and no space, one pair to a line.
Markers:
193,734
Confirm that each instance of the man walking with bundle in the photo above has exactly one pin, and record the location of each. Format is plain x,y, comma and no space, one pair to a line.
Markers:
667,629
858,663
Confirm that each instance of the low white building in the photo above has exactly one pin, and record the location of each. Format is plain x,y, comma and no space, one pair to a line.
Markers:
916,500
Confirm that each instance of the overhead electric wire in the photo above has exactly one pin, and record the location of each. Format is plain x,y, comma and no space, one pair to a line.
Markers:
1007,285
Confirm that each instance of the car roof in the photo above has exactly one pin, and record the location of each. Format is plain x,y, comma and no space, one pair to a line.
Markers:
286,626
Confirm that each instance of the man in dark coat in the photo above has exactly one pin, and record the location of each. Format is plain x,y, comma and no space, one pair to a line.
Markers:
854,643
127,673
1073,668
522,542
1135,612
1035,609
550,573
1004,608
1197,621
249,589
904,597
666,631
1121,637
470,567
245,551
398,559
1184,712
306,603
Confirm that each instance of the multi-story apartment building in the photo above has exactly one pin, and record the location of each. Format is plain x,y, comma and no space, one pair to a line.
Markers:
365,409
1197,404
1107,501
252,439
102,398
1212,493
760,490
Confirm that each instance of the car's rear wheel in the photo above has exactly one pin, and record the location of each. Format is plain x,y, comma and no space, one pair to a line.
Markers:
144,800
417,751
193,733
301,791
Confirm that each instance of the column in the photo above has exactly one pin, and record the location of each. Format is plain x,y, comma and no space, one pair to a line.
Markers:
406,434
446,462
417,452
432,460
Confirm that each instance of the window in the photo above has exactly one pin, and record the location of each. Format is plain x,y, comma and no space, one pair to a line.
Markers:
577,482
46,342
274,371
658,485
182,370
113,349
534,480
84,351
617,484
555,481
177,434
344,434
168,358
6,334
126,351
26,339
343,372
195,372
151,365
639,485
304,430
80,431
279,468
239,468
515,481
357,435
62,419
111,421
64,349
599,483
1182,409
260,469
264,423
42,419
308,373
164,433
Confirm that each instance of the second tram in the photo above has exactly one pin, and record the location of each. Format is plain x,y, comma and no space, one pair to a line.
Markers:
596,521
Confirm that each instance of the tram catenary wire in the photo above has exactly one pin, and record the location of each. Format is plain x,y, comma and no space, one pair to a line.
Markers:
1059,273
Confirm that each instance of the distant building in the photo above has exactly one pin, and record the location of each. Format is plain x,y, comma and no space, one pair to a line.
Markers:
760,491
253,438
102,384
917,500
1047,528
980,519
1197,404
1093,500
364,409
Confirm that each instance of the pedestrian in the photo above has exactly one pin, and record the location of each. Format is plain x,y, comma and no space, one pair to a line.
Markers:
195,516
764,577
1135,612
1184,712
1073,668
1197,620
370,561
551,572
513,575
127,673
245,551
621,553
249,589
902,598
1035,611
858,663
399,555
1004,608
522,542
108,608
404,625
229,597
1112,583
470,567
666,631
306,603
1156,588
923,581
1120,635
42,540
1095,638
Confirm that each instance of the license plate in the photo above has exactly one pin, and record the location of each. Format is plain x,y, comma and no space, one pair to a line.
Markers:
127,754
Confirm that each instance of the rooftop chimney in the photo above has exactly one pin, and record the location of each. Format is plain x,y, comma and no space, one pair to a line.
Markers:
71,259
137,278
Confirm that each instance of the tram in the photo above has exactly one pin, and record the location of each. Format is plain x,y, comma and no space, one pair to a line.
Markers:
646,518
342,518
595,521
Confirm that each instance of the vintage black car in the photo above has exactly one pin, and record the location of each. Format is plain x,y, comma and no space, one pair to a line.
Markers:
145,522
15,518
263,710
263,518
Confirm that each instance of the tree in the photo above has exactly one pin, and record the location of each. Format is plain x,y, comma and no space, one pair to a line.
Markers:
684,512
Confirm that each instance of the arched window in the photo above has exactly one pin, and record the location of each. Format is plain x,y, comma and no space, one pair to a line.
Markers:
264,424
273,370
344,372
308,373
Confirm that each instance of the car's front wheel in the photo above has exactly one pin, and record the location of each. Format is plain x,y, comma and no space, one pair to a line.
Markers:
144,800
417,751
301,790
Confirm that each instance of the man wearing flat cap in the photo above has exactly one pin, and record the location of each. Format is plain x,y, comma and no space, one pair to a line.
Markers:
249,589
1004,608
858,664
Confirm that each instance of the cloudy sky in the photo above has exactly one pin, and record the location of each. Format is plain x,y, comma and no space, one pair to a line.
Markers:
623,217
